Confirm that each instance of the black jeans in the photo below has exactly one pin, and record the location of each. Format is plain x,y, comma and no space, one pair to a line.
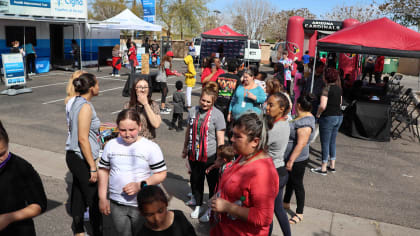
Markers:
164,91
279,211
198,173
133,72
177,116
30,63
295,183
83,194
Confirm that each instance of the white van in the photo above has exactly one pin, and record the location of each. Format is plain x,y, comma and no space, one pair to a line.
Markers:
276,52
252,52
197,45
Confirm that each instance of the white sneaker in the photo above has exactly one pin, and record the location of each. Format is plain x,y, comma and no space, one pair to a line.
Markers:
117,75
112,75
195,213
206,217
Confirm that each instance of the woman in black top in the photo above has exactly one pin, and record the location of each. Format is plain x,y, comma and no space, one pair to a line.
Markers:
330,119
22,195
153,205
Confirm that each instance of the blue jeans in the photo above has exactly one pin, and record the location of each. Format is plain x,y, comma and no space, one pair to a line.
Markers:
279,211
328,130
115,71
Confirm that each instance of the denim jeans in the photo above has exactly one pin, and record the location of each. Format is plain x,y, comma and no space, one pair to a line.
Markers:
115,71
328,130
127,219
279,211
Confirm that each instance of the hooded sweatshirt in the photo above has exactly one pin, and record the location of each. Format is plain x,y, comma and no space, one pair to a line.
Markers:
190,75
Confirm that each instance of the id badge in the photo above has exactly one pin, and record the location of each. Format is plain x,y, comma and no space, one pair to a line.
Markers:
243,104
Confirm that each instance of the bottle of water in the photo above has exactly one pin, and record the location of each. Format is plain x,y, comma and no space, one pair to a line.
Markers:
239,203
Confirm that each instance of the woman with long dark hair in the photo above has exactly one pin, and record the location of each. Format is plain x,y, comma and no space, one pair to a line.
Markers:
82,149
141,101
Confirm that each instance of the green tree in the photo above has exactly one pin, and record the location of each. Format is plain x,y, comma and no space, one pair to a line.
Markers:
104,9
277,27
181,15
405,12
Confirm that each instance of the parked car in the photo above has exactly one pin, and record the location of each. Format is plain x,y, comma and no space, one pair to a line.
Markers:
252,52
276,52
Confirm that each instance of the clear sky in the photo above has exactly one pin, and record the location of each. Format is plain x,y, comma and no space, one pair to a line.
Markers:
317,7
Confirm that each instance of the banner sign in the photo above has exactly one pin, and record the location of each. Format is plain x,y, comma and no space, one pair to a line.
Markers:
149,10
54,8
14,69
322,25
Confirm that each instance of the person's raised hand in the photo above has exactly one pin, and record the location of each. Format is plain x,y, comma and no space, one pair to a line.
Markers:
142,98
219,205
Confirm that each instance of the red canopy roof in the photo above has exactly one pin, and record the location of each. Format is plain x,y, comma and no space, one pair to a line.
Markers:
223,32
378,37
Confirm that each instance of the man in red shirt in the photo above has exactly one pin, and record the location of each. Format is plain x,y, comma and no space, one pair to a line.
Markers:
379,67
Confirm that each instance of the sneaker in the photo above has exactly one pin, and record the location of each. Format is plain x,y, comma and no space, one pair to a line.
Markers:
206,217
112,75
168,109
195,213
191,202
332,170
117,75
164,111
318,171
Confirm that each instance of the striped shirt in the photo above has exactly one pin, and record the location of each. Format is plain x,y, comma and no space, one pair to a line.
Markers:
130,163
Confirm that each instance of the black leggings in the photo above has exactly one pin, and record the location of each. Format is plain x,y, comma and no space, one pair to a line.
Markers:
198,172
83,194
295,183
30,63
164,91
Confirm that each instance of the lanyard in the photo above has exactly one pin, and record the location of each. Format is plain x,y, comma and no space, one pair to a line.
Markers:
279,119
245,92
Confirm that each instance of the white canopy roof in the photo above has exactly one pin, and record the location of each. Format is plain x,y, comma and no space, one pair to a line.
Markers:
127,20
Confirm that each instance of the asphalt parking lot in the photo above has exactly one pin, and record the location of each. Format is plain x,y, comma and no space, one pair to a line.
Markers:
374,180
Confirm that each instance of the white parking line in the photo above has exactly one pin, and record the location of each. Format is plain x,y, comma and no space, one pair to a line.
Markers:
62,99
106,77
158,100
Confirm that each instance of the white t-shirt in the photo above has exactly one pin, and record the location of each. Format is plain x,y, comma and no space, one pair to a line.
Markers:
130,163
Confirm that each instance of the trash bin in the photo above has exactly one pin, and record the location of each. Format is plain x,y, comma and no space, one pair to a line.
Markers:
390,65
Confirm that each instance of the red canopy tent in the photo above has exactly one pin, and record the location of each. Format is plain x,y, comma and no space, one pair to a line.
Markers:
223,32
378,37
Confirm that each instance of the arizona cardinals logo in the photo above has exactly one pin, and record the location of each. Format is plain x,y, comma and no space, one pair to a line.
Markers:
292,48
225,32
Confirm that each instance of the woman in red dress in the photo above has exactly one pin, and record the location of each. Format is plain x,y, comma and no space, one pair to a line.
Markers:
244,202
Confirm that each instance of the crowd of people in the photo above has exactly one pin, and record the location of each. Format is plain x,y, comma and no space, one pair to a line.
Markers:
248,136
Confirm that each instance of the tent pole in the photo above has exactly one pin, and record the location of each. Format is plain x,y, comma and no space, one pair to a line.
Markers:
80,42
313,70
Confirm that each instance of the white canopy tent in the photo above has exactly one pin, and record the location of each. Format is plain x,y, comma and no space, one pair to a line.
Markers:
126,20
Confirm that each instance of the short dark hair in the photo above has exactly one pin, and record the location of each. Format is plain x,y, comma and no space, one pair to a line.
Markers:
84,82
179,84
226,151
263,75
128,114
232,65
3,134
150,194
306,52
331,75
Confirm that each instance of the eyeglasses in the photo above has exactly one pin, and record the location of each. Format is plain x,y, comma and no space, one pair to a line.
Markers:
142,87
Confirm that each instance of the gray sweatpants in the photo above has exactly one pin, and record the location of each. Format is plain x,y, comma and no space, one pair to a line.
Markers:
127,219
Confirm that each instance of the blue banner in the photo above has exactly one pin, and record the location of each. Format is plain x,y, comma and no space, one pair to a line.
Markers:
31,3
149,10
14,69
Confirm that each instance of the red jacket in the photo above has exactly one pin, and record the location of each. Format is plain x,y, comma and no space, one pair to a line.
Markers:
379,64
133,56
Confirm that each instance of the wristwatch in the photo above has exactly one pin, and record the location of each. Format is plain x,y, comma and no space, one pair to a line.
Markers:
143,184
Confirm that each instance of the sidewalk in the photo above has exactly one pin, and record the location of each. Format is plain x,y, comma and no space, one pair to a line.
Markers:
316,222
